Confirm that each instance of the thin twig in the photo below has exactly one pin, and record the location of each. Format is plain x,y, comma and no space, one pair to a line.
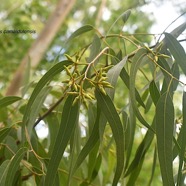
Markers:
49,110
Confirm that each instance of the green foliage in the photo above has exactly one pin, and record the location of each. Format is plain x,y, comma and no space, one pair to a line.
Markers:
110,112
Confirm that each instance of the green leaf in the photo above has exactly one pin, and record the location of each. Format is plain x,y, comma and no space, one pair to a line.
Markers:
136,63
3,171
113,75
80,31
90,144
4,132
177,51
36,107
96,167
14,166
141,151
8,101
153,166
126,15
154,92
56,69
53,126
125,78
183,143
69,120
164,132
107,107
94,49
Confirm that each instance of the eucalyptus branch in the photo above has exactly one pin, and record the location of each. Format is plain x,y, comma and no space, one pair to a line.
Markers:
166,71
50,110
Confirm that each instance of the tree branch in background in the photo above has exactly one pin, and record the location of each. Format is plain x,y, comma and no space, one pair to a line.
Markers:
39,47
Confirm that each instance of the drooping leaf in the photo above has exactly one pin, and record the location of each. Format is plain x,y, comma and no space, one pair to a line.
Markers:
14,166
3,171
82,30
125,15
136,63
125,78
141,151
36,107
129,136
110,113
5,101
153,166
154,92
94,49
177,51
56,69
113,75
4,132
164,132
53,125
90,144
183,143
96,167
69,120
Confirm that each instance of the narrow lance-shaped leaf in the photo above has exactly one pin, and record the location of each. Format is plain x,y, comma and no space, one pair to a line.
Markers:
3,171
5,101
164,132
14,166
154,92
183,143
35,108
107,107
82,30
94,49
56,69
177,51
136,63
69,119
113,75
125,78
90,144
4,132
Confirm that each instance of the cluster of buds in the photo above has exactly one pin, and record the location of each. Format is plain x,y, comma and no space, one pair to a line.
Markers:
75,82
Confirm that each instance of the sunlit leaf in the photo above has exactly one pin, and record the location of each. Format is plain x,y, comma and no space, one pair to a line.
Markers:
164,132
113,75
107,107
80,31
69,120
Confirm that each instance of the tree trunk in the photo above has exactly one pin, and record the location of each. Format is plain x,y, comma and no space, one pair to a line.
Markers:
37,50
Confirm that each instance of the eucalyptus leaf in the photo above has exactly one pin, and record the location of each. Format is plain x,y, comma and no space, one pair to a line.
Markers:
5,101
69,120
110,113
164,133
